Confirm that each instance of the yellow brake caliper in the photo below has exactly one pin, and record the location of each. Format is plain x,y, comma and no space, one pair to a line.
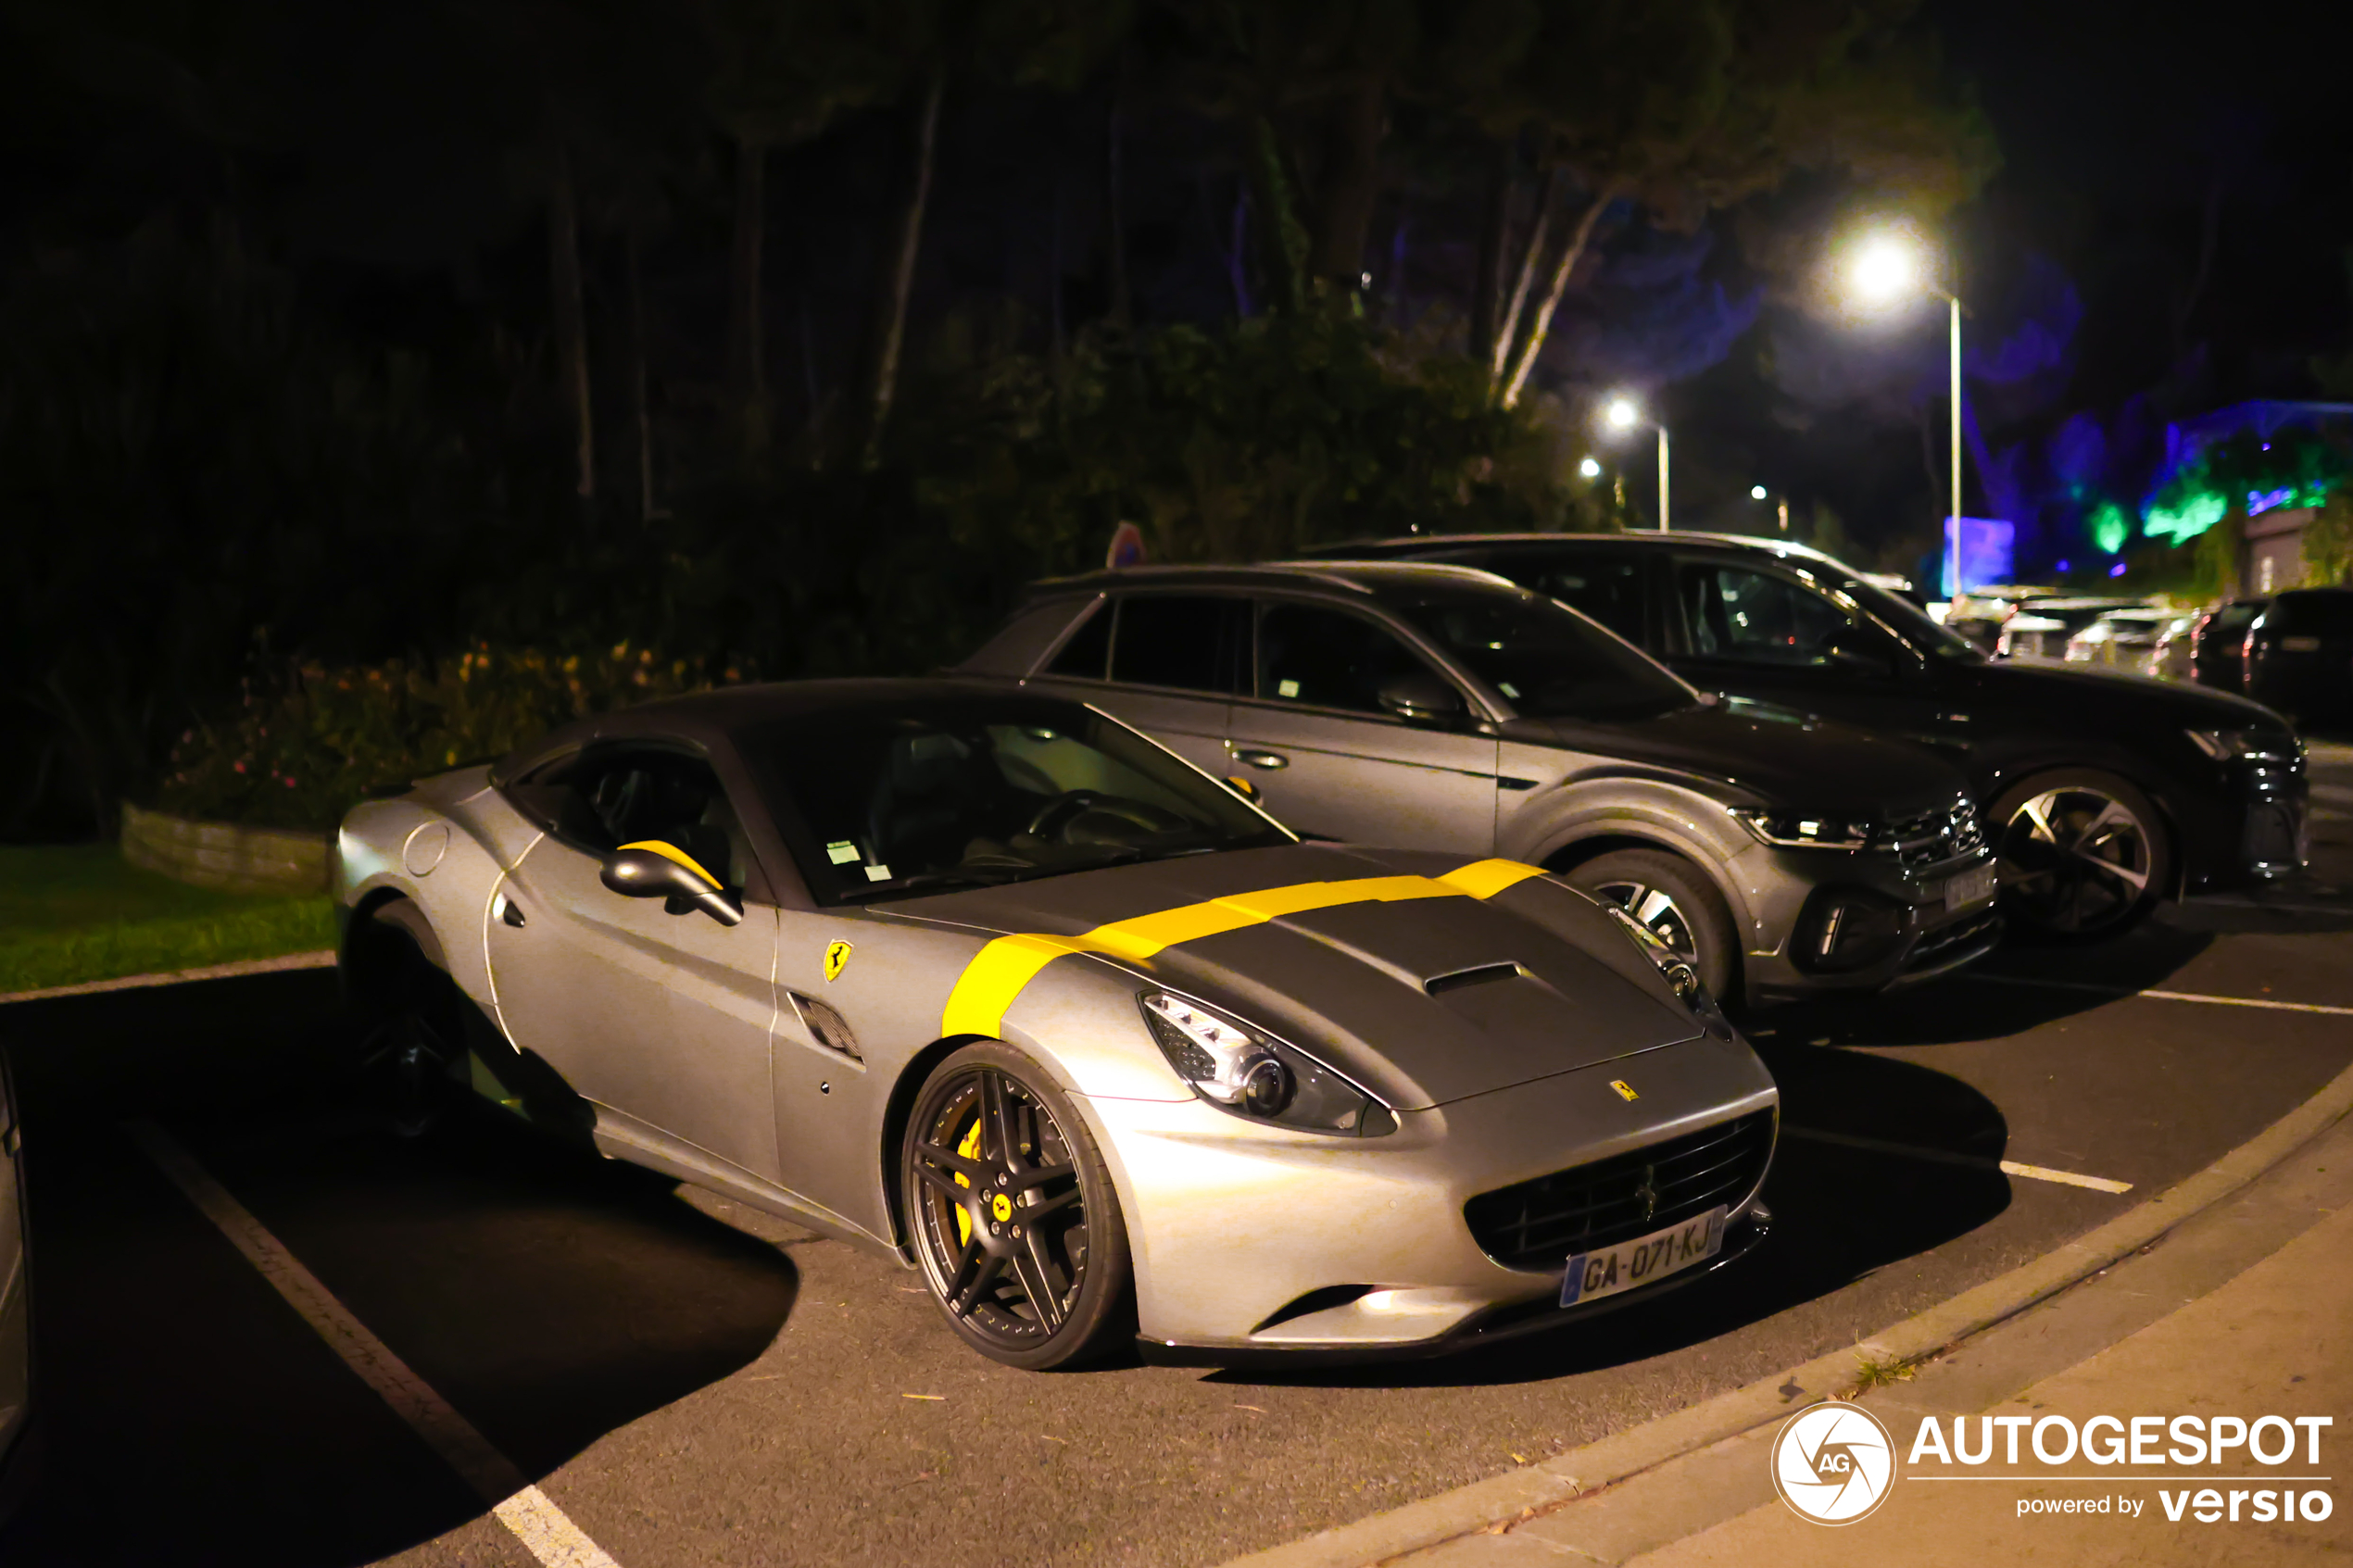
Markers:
970,1149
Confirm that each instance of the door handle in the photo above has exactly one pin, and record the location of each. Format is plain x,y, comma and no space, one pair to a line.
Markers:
510,911
1262,758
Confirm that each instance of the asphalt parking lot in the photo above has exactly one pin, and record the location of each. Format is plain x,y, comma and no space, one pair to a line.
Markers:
697,1384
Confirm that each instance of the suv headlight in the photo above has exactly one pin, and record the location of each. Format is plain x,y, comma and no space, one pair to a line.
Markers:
2255,746
1680,977
1807,829
1254,1075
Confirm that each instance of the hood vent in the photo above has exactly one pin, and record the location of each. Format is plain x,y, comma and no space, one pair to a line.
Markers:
1486,974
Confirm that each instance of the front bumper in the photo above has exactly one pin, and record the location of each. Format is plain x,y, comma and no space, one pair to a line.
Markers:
1822,922
1254,1240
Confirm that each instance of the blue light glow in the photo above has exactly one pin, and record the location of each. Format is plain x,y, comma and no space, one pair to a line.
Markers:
2062,566
2258,503
2116,571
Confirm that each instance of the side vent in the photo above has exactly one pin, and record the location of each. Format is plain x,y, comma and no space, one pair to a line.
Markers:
1486,974
827,1027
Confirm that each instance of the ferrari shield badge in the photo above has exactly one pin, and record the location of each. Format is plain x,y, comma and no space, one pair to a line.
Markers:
1625,1090
836,955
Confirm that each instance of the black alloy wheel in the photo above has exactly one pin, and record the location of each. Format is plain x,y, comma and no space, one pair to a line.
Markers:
1012,1215
2082,856
410,1023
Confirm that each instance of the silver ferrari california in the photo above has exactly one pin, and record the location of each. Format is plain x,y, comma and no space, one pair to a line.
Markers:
990,983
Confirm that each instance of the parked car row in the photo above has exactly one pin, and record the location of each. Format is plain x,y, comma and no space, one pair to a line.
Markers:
1317,957
2292,651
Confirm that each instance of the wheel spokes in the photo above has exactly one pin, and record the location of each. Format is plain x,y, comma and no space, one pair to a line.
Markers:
944,1186
997,1113
1035,1274
948,1158
977,1270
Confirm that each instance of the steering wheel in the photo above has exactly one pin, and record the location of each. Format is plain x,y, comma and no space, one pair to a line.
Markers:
1056,814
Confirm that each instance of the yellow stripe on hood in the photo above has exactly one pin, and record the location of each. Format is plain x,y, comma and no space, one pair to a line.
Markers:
999,972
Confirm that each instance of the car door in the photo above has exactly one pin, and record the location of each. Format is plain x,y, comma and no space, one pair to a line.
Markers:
1331,763
662,1021
1169,666
1777,634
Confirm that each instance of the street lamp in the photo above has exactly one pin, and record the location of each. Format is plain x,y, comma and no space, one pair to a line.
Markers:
1883,269
1590,469
1622,413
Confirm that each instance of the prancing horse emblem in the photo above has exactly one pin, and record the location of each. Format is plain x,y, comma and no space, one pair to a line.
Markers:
1647,1194
836,955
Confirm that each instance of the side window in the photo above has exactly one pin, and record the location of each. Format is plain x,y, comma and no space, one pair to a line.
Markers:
1604,584
1088,650
1760,618
601,800
1328,658
1191,641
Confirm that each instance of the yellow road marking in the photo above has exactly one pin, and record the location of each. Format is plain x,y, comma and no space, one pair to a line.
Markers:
999,972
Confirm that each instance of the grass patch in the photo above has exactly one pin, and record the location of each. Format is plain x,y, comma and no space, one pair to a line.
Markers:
76,912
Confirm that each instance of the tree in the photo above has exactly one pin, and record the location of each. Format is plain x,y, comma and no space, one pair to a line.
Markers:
1684,107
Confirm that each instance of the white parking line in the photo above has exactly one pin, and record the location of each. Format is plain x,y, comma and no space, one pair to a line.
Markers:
2170,996
1946,1156
544,1529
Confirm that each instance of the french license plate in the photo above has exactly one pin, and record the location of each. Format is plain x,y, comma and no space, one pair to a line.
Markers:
1968,887
1648,1257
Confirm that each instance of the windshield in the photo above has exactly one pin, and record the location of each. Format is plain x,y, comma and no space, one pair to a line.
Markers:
910,797
1546,659
1910,622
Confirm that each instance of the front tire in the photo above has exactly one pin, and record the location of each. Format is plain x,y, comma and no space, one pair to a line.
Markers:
412,1020
2082,856
1677,903
1011,1212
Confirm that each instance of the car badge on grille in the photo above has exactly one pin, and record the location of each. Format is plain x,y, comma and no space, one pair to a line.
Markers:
1647,1194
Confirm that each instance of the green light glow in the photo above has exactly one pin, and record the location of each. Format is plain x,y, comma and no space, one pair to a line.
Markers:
2110,528
2189,519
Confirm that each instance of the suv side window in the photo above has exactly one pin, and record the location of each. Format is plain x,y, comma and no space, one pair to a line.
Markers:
1750,616
1187,642
604,798
1328,658
1084,656
1606,585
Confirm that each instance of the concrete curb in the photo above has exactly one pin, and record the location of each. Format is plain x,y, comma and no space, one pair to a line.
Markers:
322,959
1517,1493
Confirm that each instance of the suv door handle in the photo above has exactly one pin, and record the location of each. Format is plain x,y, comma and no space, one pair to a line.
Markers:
1262,758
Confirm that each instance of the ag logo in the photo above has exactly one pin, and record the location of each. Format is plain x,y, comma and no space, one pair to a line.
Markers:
836,955
1834,1464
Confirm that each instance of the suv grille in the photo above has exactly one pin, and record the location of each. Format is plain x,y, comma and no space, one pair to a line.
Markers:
1945,833
1543,1223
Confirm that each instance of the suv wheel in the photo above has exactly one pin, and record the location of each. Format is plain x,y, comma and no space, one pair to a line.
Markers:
2083,855
1675,900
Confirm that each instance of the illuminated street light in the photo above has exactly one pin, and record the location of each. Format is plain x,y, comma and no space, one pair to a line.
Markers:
1882,269
1756,491
1622,413
1590,469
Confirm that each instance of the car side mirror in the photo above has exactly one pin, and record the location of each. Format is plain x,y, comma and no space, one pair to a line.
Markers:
1421,698
653,869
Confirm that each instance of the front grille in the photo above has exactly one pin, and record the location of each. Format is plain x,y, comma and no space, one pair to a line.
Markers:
1543,1223
1943,833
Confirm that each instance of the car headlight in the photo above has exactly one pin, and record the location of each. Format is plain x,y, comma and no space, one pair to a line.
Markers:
2256,746
1680,977
1807,829
1255,1075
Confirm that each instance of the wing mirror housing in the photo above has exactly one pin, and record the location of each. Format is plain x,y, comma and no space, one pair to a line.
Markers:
653,869
1422,698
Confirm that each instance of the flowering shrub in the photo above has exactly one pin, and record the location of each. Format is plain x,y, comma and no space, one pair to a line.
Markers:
300,750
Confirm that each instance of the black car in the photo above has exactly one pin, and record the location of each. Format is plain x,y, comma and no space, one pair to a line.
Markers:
2297,653
2105,791
2218,644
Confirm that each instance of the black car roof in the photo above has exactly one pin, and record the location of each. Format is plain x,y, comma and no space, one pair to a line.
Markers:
1346,576
1331,554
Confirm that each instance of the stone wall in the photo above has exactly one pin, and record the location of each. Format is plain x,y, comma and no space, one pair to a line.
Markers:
222,855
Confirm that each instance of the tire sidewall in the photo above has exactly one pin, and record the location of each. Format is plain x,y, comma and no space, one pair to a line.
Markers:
1705,910
2125,794
1105,1306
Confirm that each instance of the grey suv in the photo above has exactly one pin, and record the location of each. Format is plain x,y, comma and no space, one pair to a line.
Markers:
1442,708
